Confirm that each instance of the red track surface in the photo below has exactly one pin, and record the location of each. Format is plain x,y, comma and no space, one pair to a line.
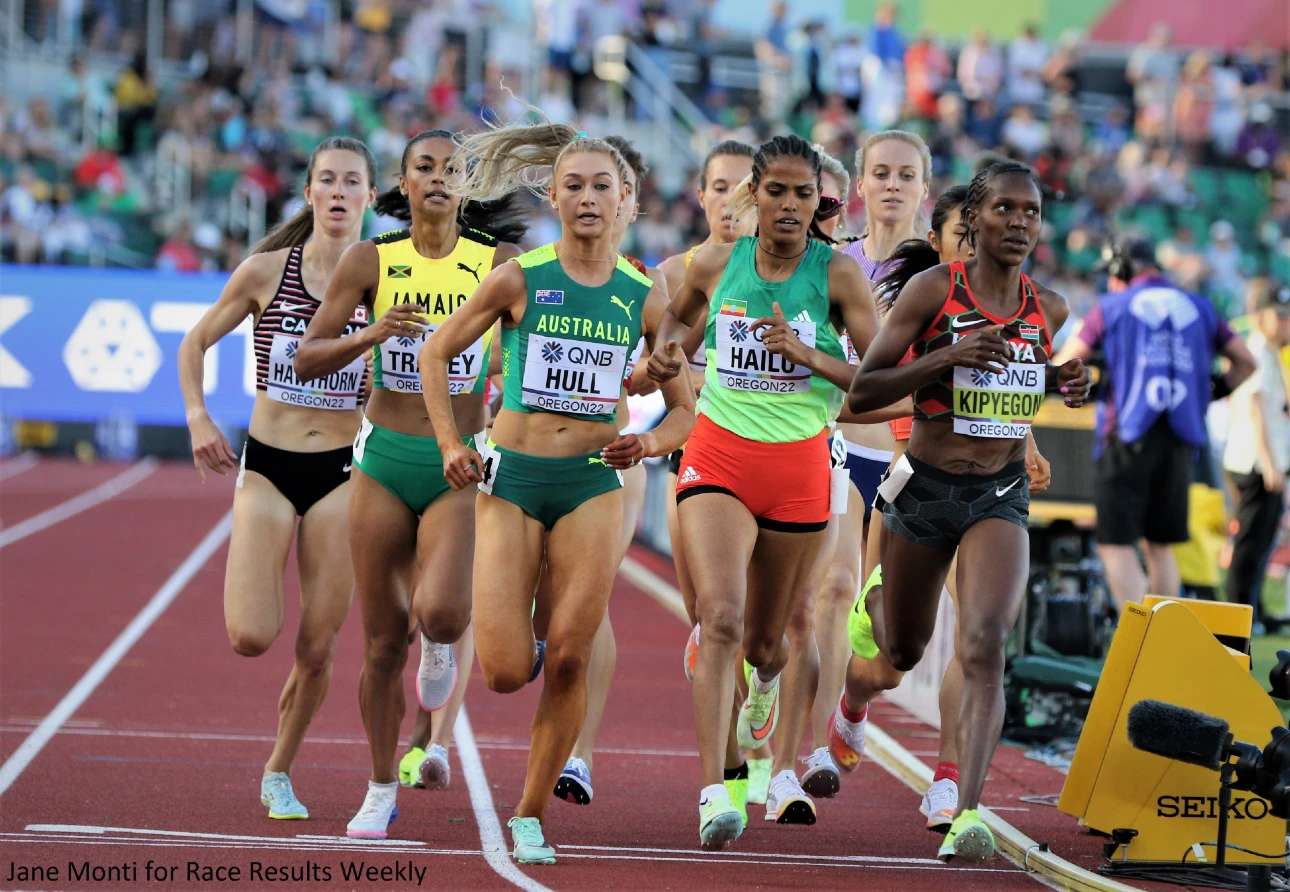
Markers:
175,737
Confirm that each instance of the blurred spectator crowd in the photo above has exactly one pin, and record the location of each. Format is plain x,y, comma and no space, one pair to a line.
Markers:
133,137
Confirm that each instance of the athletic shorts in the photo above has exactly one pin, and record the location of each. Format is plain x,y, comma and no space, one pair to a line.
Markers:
784,485
410,468
936,508
545,489
866,467
305,478
1140,489
901,428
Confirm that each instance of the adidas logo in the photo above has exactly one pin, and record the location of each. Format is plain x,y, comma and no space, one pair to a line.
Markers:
690,475
802,317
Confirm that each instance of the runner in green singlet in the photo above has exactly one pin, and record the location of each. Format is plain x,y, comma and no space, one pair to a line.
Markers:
571,313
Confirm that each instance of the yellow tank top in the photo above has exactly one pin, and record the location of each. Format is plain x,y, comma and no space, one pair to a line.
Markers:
438,287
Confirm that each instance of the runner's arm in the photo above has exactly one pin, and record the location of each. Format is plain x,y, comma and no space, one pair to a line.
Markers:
687,308
678,393
323,350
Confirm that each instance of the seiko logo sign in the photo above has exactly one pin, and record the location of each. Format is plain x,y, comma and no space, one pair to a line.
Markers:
1242,808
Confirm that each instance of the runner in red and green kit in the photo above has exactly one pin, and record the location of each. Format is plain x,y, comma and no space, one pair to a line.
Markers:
753,496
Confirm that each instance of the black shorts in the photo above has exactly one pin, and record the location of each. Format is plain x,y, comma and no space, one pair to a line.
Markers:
936,508
303,477
674,462
1140,488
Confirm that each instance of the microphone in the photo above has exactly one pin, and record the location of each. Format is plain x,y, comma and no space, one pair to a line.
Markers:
1183,735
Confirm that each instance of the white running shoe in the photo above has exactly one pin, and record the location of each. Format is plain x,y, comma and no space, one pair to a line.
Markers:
846,739
787,802
435,773
377,813
437,675
821,779
939,804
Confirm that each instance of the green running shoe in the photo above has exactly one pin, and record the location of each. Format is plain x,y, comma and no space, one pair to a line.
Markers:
968,838
530,844
758,716
738,790
719,823
859,625
758,780
410,767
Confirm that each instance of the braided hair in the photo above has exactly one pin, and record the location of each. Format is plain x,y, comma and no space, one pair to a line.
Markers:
979,188
503,218
790,147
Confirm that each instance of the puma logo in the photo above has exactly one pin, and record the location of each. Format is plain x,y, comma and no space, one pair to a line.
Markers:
627,308
592,460
474,272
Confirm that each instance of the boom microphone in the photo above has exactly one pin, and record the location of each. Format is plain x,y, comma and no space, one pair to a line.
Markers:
1183,735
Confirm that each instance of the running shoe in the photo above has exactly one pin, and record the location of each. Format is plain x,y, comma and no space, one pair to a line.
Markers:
434,772
968,838
939,803
787,802
859,624
737,790
758,780
821,779
437,675
276,793
410,767
719,822
846,739
758,716
378,812
574,784
691,653
538,661
530,844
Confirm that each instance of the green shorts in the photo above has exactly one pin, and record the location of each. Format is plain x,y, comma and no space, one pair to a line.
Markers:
859,625
411,468
546,489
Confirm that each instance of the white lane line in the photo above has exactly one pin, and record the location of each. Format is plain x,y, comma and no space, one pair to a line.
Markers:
131,476
76,697
481,800
19,464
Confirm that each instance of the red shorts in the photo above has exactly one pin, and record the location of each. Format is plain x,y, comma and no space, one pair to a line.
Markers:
784,485
901,428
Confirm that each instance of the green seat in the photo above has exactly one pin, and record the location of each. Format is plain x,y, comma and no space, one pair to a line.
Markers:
222,180
1207,186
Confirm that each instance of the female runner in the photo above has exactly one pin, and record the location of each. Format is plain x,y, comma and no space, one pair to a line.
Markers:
406,525
754,490
574,784
297,456
868,672
571,314
981,333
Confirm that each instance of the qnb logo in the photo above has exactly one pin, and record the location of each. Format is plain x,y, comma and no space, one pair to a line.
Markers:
739,331
980,378
407,342
552,352
112,349
291,349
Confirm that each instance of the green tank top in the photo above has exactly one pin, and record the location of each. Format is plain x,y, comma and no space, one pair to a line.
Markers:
748,390
569,353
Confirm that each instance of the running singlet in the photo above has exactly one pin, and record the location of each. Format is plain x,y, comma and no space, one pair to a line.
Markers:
999,405
569,353
438,287
277,335
748,390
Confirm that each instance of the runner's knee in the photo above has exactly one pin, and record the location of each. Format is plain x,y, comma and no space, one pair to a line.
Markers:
250,642
444,625
982,646
723,624
904,655
566,661
840,586
505,676
761,649
313,657
385,654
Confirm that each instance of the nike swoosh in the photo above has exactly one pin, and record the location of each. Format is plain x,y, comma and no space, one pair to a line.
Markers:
1004,491
954,323
347,469
770,721
295,308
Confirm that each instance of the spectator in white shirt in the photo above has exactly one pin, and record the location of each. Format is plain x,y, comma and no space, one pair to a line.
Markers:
1258,446
980,70
848,63
1027,56
1024,132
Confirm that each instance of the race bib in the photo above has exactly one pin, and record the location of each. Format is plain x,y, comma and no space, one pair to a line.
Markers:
401,372
339,390
853,358
572,377
492,461
1000,405
744,364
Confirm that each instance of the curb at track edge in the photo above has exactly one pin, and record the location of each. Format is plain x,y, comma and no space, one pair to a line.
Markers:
904,766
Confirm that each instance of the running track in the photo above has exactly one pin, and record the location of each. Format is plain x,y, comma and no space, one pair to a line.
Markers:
161,761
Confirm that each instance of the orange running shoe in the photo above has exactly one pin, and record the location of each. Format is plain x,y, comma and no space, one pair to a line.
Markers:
691,652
